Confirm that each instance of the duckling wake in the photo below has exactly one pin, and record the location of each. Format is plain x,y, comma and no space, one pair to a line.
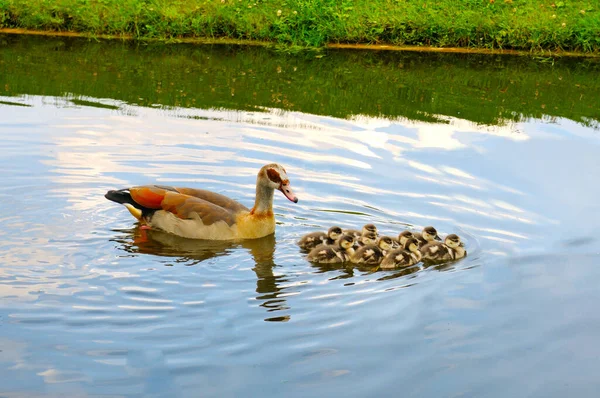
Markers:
338,246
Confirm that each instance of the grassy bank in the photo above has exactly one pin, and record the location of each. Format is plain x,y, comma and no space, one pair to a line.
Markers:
511,24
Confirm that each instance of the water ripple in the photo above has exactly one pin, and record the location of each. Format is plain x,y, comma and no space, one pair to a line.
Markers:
88,298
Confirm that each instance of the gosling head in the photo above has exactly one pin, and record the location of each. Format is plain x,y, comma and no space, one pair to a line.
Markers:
369,228
430,234
385,243
346,241
334,233
453,241
369,238
403,237
412,245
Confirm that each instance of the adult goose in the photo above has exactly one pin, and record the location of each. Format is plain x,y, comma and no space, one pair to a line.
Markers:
200,214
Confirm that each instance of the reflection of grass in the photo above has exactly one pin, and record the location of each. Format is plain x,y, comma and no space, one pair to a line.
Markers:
13,103
355,213
482,89
93,104
520,24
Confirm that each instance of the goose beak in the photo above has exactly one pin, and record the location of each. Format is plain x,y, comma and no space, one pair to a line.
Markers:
287,191
437,237
462,244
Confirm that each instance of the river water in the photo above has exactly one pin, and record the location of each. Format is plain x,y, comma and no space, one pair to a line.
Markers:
500,150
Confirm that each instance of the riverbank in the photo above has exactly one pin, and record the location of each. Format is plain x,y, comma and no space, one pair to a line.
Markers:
572,26
372,47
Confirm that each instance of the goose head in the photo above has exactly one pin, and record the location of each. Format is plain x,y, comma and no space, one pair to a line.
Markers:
346,241
368,238
369,228
334,233
274,176
412,245
453,241
403,237
430,234
385,243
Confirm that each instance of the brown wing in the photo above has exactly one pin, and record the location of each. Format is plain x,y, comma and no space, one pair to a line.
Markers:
402,257
149,196
218,199
182,205
187,207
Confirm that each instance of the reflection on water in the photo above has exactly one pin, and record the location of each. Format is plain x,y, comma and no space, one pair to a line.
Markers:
93,305
190,252
270,289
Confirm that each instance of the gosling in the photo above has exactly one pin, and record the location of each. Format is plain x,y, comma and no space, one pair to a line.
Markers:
365,229
400,242
373,254
337,254
403,257
452,249
314,239
368,238
429,234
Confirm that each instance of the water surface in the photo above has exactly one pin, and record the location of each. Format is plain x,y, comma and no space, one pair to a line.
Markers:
92,305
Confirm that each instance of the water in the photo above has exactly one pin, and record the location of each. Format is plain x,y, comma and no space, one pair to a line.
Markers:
92,305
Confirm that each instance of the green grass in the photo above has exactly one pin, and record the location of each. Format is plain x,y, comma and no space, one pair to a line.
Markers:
508,24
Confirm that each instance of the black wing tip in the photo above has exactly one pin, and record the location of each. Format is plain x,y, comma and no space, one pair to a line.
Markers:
123,196
110,193
118,195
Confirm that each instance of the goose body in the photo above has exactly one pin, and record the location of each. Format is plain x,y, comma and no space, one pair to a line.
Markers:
340,253
429,234
460,252
402,257
436,252
400,242
373,254
367,228
367,238
450,250
314,239
201,214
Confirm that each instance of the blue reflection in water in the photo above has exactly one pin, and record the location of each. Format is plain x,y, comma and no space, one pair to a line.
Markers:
91,304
